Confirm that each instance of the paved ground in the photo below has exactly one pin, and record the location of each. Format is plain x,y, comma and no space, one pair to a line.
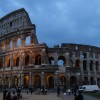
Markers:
67,97
50,96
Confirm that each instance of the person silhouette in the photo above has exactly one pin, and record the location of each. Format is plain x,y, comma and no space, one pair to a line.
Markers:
80,96
58,91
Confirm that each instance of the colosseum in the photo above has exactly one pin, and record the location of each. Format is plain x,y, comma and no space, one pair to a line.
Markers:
25,62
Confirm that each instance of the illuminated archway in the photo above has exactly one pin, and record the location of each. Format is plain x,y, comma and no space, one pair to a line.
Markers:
26,80
50,81
37,81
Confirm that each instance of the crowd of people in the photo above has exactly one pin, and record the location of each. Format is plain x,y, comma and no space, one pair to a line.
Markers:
77,94
15,95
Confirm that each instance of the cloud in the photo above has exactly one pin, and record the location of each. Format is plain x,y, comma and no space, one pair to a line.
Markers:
58,21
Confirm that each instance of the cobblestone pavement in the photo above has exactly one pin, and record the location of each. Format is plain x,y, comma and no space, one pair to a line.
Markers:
49,96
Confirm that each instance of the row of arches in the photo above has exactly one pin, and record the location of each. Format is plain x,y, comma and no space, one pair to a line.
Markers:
16,42
27,60
91,65
49,81
37,61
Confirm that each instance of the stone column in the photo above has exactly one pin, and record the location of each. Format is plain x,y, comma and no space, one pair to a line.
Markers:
3,80
32,36
88,68
11,60
10,81
22,40
33,80
42,79
30,78
99,63
81,67
67,64
68,82
94,68
95,79
20,60
74,63
55,80
55,61
20,79
13,42
3,62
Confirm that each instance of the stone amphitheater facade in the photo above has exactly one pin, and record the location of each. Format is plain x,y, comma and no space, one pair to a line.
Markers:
25,62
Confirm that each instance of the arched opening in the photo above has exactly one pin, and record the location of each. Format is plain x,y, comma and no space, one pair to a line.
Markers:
51,60
97,65
73,81
7,61
84,65
0,82
37,81
38,60
84,55
26,81
92,80
98,82
61,60
86,81
1,62
28,40
27,58
3,46
50,82
18,42
17,61
77,63
91,65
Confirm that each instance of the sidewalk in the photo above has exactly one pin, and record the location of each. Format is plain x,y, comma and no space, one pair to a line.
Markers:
49,96
86,97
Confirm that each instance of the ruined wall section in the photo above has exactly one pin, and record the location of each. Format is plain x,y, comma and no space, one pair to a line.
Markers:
14,21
